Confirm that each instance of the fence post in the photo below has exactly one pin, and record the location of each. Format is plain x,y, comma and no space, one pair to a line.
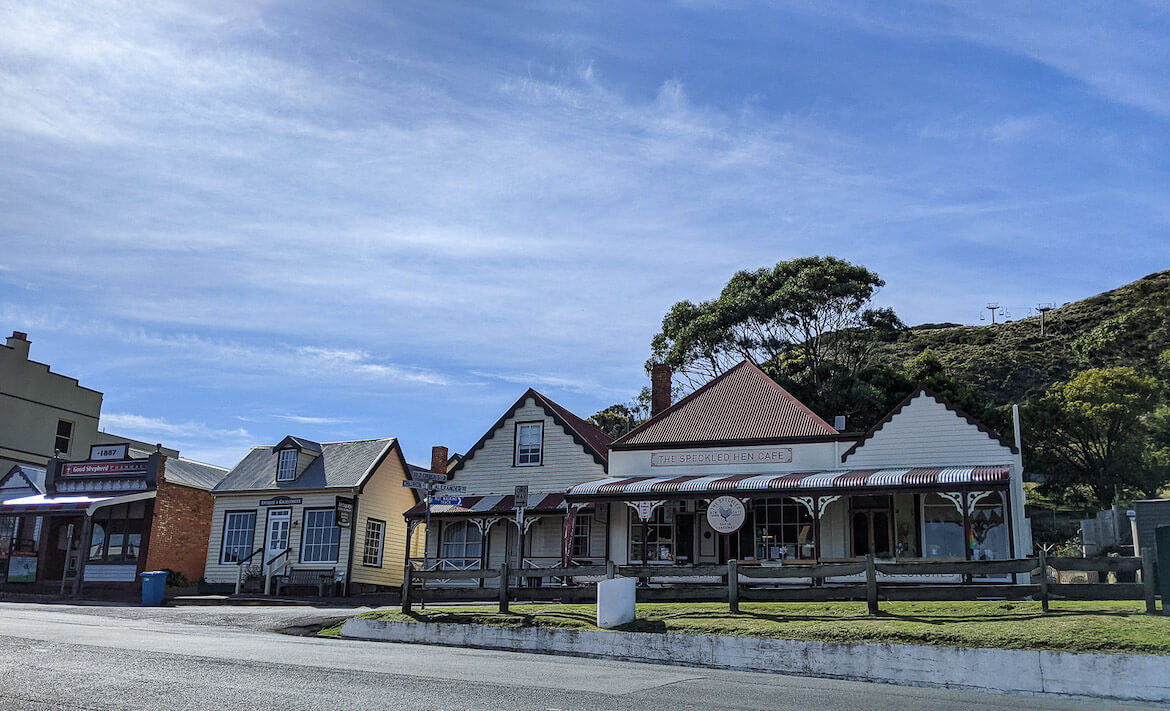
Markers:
503,587
406,591
871,585
610,570
1044,580
733,585
1148,581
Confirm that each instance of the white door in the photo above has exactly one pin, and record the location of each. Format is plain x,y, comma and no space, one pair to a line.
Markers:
276,539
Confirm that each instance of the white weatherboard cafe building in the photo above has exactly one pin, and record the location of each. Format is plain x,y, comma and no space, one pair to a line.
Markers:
927,482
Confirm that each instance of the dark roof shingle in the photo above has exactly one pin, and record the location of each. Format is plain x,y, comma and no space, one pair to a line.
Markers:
740,404
340,465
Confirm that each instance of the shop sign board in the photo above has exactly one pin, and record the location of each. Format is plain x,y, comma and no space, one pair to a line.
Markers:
129,467
22,569
107,452
726,514
280,501
343,512
646,509
725,456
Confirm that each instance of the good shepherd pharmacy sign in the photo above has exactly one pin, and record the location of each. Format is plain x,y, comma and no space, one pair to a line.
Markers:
708,457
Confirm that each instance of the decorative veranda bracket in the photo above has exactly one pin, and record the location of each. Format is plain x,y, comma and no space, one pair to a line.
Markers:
955,497
644,509
815,505
975,497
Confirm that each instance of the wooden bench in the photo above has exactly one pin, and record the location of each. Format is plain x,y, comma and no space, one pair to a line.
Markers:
306,577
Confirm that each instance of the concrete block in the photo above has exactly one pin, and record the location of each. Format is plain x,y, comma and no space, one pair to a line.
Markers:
615,602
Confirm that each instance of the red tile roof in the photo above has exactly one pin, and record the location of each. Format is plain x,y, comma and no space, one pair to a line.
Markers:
741,404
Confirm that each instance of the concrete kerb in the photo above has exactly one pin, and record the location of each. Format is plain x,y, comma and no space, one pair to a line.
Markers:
1128,677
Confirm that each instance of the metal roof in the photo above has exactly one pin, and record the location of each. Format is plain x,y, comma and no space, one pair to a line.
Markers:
188,472
340,465
741,404
493,505
755,483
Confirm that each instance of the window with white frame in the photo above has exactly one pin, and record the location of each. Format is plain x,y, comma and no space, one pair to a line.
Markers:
582,527
529,436
320,538
239,530
462,545
372,548
286,465
659,531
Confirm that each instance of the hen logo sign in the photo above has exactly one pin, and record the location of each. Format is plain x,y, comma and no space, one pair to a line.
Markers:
726,514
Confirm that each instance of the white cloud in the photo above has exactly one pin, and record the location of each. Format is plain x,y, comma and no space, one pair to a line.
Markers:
194,440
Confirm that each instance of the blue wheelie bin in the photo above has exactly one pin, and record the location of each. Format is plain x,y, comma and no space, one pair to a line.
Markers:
154,586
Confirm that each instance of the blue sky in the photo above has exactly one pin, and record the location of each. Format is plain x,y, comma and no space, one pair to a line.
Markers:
352,219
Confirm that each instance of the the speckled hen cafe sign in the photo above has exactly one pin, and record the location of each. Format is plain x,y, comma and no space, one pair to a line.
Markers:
732,456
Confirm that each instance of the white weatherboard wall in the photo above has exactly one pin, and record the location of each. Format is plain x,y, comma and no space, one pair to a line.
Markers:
492,470
925,433
1134,677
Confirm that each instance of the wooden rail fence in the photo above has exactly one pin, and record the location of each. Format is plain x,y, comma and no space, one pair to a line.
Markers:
739,581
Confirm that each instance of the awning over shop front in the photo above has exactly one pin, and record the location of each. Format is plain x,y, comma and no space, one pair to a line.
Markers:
45,505
492,506
836,481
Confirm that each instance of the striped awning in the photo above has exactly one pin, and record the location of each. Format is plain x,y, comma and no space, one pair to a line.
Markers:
41,504
492,505
834,480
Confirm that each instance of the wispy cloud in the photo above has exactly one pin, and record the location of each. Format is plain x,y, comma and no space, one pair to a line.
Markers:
194,440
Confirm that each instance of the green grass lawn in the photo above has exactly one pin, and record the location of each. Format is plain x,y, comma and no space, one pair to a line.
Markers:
1069,626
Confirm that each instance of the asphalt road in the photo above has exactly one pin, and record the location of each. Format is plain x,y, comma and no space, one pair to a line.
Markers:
79,657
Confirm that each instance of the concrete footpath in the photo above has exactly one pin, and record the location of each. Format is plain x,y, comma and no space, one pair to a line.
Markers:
1127,677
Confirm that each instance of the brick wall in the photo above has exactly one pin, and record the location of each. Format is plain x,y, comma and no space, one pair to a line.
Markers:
180,530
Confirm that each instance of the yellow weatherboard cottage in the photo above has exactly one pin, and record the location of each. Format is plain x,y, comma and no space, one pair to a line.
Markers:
311,518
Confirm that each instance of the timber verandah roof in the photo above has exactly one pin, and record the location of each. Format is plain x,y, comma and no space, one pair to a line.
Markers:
740,404
839,481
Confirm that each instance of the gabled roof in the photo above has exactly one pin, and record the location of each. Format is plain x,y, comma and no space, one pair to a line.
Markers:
591,438
23,477
342,465
940,400
298,443
740,404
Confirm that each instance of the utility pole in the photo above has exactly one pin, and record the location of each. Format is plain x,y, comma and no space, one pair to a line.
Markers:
1043,309
992,308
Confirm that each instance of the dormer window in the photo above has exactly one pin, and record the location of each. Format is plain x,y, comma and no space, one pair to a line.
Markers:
529,440
286,465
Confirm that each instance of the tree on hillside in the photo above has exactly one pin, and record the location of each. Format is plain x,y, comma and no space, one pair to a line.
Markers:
1099,438
616,420
807,322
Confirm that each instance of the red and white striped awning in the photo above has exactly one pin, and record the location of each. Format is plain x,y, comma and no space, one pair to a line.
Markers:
492,505
43,505
616,487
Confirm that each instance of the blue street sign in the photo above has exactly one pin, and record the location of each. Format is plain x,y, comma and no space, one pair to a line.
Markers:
447,500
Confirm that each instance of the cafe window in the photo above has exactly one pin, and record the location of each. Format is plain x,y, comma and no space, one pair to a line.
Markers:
372,548
989,531
64,436
321,539
659,537
529,437
117,533
942,528
582,528
239,530
783,530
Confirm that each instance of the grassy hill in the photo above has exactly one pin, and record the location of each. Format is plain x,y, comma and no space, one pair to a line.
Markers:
1010,362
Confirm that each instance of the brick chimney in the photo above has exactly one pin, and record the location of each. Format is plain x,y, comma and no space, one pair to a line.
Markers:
439,460
659,388
18,342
